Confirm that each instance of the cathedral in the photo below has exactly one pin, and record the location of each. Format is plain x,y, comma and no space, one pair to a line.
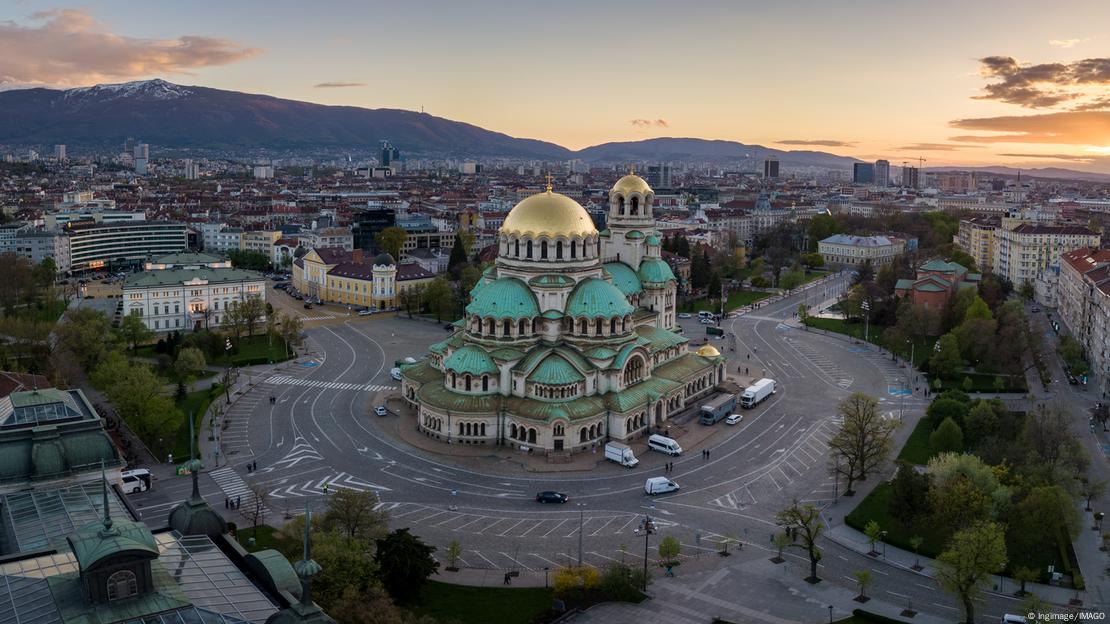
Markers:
570,339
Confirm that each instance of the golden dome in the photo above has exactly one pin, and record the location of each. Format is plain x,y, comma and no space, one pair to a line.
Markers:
631,183
548,214
709,351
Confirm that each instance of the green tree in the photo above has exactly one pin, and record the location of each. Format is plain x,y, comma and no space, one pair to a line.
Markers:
454,553
410,299
874,533
946,362
468,239
82,332
806,519
405,563
780,541
291,329
352,514
915,544
112,367
813,260
970,558
392,240
137,397
190,362
468,279
439,297
821,226
669,549
250,260
909,495
864,439
947,438
458,258
963,490
234,322
251,310
1046,514
981,423
978,310
1025,575
945,406
134,331
1027,291
863,579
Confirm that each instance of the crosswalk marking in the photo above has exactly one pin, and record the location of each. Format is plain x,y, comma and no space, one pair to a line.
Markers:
235,488
286,380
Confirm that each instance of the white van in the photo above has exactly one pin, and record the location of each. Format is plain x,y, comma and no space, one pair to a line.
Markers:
659,485
135,481
663,444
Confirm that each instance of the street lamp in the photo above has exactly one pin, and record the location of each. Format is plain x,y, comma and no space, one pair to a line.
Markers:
648,527
882,537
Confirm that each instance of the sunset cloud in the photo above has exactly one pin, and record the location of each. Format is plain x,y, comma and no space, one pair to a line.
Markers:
821,142
1065,43
1043,85
932,147
659,123
1063,128
338,85
1066,157
68,47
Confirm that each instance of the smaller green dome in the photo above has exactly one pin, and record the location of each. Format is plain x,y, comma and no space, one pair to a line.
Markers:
653,240
634,235
551,280
596,297
656,271
555,371
624,277
507,297
470,359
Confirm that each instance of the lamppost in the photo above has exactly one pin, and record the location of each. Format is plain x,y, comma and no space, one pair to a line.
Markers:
581,515
227,378
830,613
882,537
648,527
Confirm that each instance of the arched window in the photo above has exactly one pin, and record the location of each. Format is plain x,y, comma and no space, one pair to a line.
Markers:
485,385
506,325
489,326
517,244
122,584
529,252
572,249
559,429
462,429
582,434
543,250
512,431
582,326
522,327
453,379
593,431
620,205
597,327
613,325
466,382
531,436
558,250
483,430
535,326
635,205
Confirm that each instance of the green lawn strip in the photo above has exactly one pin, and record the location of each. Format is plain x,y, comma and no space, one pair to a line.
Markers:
922,349
195,403
265,537
984,382
917,449
257,349
742,298
480,605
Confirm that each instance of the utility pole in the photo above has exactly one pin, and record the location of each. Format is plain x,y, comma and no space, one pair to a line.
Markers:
866,307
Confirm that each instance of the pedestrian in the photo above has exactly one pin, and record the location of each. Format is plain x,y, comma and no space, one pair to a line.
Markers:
238,501
507,577
707,453
227,503
256,465
248,468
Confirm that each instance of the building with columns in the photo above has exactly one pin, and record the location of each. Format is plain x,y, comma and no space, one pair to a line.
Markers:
568,340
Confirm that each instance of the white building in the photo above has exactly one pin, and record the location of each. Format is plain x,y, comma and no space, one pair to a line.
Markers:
1083,302
840,250
1023,250
94,246
184,292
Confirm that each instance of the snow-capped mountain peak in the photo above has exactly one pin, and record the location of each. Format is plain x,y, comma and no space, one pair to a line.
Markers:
156,88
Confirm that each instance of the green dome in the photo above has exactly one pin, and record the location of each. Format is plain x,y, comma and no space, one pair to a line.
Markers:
656,271
634,235
507,297
624,278
595,297
551,281
555,371
653,240
470,359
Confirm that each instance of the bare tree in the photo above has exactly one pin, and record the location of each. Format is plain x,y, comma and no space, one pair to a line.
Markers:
256,507
352,512
864,440
804,520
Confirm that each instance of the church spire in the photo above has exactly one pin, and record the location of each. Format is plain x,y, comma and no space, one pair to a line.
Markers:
104,501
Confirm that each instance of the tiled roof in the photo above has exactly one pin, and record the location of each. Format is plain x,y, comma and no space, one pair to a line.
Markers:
858,241
1036,228
411,271
175,277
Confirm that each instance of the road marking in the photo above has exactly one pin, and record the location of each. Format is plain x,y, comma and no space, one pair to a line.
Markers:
491,564
506,555
561,522
610,521
518,522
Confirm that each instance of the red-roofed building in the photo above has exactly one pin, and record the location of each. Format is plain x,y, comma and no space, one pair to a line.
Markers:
1083,299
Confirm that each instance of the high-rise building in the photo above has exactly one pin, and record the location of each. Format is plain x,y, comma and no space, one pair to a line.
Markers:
129,145
882,173
263,171
659,176
191,169
388,155
771,167
142,150
911,177
863,173
60,152
367,223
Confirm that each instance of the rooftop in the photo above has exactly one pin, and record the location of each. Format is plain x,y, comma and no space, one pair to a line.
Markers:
177,277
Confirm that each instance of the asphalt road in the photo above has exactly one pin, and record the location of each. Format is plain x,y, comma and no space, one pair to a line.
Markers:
320,435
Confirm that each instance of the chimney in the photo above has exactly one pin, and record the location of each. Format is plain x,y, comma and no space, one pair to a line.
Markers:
356,256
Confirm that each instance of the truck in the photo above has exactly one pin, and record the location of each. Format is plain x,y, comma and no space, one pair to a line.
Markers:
620,453
757,392
716,409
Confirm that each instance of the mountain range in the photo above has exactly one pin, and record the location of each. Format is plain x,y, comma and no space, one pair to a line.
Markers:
177,116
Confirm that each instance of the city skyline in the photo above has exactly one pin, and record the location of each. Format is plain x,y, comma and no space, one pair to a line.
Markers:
1024,86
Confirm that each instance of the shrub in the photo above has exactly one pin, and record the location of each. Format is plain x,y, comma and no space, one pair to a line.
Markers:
947,438
574,578
621,582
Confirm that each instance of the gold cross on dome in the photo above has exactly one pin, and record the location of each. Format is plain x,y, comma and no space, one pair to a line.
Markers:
631,169
549,178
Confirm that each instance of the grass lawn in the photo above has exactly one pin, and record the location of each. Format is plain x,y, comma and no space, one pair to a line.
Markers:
479,605
917,449
195,403
744,297
983,382
875,507
922,349
255,349
266,537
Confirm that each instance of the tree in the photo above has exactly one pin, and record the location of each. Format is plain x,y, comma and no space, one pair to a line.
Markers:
978,310
1089,489
137,397
947,438
805,519
247,259
863,579
864,439
82,332
946,362
468,279
440,297
273,321
351,513
113,367
821,226
190,362
1027,291
233,322
909,495
391,240
1056,454
251,310
411,298
966,565
405,563
945,406
291,328
468,239
256,507
964,490
813,260
915,544
981,423
1025,575
454,553
1045,516
780,541
874,533
458,258
669,549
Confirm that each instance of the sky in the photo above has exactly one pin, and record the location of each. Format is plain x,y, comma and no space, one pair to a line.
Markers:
1014,83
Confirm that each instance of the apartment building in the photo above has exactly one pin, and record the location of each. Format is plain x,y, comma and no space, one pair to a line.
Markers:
1022,250
1083,300
976,237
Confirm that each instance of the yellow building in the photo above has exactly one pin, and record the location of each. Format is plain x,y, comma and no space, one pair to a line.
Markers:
976,237
333,275
261,241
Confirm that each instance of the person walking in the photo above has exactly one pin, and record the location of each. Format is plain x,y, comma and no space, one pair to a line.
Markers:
238,501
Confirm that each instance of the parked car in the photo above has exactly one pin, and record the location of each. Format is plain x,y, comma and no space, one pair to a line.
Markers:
551,497
364,312
379,410
395,373
685,315
734,419
1072,379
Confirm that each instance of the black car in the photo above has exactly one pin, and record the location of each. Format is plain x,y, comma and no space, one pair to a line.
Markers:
1072,380
551,497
